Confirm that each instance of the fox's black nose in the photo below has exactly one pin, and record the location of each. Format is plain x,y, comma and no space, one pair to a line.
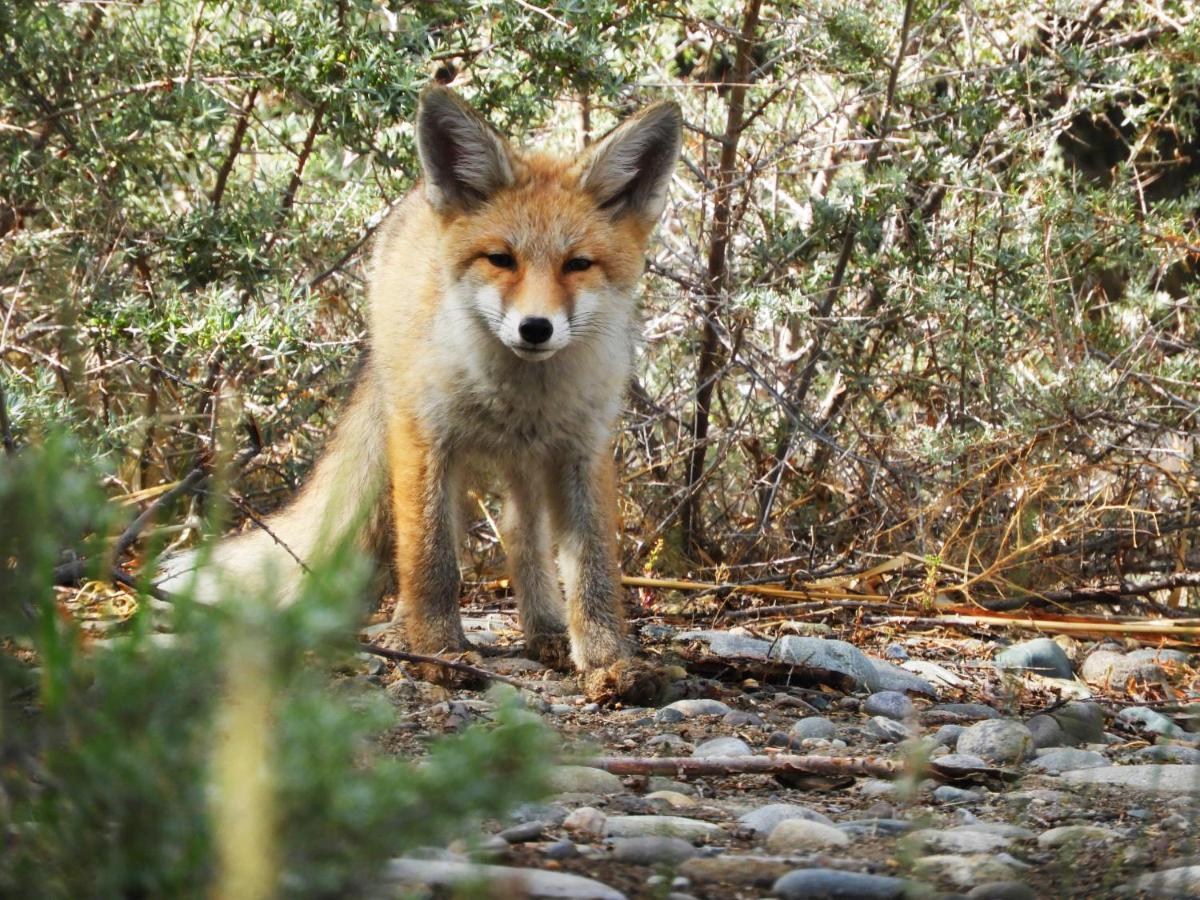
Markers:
535,329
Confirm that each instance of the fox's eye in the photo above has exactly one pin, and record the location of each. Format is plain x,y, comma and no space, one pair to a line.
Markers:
578,264
502,260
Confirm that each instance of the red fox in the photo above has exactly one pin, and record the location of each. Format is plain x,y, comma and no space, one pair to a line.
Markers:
502,334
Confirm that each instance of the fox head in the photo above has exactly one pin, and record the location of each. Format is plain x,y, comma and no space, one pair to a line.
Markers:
544,251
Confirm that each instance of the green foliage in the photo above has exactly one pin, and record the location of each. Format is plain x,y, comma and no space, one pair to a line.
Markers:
112,751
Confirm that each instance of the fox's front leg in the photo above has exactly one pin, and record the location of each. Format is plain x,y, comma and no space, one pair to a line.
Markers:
424,514
531,569
584,509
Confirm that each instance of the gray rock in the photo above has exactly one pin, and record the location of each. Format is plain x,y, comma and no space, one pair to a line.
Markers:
889,729
964,871
896,652
764,819
958,840
973,711
800,835
837,657
756,871
584,780
950,794
888,677
1148,721
1182,881
1163,655
728,644
1001,741
668,716
1156,779
837,884
890,704
661,826
873,827
1040,655
1105,667
652,850
674,741
814,727
739,719
560,850
1065,759
549,814
1047,732
1001,890
947,735
723,746
962,763
1073,835
523,833
1170,753
587,821
692,708
1082,723
533,883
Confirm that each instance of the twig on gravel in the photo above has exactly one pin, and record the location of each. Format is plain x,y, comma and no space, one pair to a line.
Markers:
455,664
684,766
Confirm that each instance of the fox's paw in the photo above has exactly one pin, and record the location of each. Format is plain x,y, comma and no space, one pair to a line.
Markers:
628,681
452,678
552,648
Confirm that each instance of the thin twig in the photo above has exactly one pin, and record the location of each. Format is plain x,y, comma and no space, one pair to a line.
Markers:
456,664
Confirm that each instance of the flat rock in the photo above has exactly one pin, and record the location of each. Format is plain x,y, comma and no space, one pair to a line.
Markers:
584,780
653,850
1041,655
1000,741
799,835
764,819
723,746
502,880
888,677
1170,753
964,871
673,799
1112,669
1162,655
890,704
1157,779
1064,759
818,884
1068,835
1001,890
1182,881
938,676
689,709
814,727
661,826
1148,721
958,840
966,711
889,729
754,871
947,793
1082,723
875,826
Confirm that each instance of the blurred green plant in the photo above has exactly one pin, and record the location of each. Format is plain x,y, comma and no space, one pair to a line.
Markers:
129,762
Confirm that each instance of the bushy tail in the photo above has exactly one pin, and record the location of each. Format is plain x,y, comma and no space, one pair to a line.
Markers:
344,499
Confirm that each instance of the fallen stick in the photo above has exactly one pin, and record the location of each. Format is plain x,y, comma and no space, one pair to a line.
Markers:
1164,628
684,766
455,664
763,612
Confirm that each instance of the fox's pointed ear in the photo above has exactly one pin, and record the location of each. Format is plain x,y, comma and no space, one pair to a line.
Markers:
628,172
464,159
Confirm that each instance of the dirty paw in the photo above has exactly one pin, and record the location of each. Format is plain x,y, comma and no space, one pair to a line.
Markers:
551,648
452,678
628,681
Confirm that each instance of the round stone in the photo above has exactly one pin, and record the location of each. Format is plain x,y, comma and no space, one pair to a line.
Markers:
890,704
1000,741
798,835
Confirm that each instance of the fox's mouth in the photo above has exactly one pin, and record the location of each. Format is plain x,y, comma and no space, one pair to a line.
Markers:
533,352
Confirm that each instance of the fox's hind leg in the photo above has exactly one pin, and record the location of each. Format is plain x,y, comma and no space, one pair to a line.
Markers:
534,578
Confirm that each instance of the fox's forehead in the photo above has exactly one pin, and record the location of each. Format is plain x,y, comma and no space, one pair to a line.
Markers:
545,213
